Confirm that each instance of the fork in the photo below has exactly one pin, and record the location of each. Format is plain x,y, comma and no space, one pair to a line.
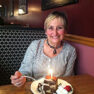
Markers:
29,77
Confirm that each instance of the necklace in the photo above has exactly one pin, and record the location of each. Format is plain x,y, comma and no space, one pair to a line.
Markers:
54,51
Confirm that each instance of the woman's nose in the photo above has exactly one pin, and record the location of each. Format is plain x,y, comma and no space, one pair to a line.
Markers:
55,32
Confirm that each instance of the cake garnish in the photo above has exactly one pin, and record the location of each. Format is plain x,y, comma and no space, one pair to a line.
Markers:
68,88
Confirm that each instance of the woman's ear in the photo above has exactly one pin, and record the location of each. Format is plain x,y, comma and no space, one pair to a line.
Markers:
45,32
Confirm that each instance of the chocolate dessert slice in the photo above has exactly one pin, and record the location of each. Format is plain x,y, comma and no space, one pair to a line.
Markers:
48,86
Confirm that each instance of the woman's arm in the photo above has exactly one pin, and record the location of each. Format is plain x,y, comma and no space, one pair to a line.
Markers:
70,64
26,65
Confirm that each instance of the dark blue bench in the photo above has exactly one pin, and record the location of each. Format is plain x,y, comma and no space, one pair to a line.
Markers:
13,44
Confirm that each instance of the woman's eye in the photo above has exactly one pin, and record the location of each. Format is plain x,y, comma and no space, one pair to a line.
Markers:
55,28
61,27
50,28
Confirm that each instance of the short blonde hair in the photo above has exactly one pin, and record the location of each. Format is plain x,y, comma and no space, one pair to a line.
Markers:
54,15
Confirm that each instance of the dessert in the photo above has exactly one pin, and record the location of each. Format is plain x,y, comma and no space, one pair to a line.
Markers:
50,85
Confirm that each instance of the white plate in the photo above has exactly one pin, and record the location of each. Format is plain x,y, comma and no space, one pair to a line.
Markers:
65,83
34,85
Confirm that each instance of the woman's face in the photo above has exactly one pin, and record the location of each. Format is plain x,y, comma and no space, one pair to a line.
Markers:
55,31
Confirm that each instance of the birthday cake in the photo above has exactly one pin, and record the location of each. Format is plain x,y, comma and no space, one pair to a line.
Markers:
51,86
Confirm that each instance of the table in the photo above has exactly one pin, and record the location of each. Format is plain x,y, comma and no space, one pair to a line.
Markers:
82,84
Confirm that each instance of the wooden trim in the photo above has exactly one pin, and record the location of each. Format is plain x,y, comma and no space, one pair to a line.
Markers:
80,39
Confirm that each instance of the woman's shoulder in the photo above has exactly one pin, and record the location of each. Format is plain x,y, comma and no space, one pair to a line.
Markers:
67,45
35,43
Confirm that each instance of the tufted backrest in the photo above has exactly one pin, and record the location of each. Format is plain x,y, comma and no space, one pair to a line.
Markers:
13,44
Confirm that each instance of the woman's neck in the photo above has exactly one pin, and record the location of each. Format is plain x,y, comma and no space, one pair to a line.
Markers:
55,45
54,48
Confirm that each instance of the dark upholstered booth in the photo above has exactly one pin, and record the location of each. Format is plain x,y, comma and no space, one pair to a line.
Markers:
13,44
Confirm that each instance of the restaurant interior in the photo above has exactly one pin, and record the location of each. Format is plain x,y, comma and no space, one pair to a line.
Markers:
22,21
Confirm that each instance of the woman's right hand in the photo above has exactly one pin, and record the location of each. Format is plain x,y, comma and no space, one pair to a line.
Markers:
17,79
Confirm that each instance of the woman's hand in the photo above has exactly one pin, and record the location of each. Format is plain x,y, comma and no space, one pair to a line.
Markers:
17,79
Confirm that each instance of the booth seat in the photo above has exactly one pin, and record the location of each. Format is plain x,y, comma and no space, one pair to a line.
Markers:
14,41
13,44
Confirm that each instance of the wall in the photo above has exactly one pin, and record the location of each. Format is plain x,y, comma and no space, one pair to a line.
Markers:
80,16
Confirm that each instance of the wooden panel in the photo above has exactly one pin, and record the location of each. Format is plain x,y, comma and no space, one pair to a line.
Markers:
80,39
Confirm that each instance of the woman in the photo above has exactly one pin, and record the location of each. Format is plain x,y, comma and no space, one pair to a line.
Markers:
51,52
